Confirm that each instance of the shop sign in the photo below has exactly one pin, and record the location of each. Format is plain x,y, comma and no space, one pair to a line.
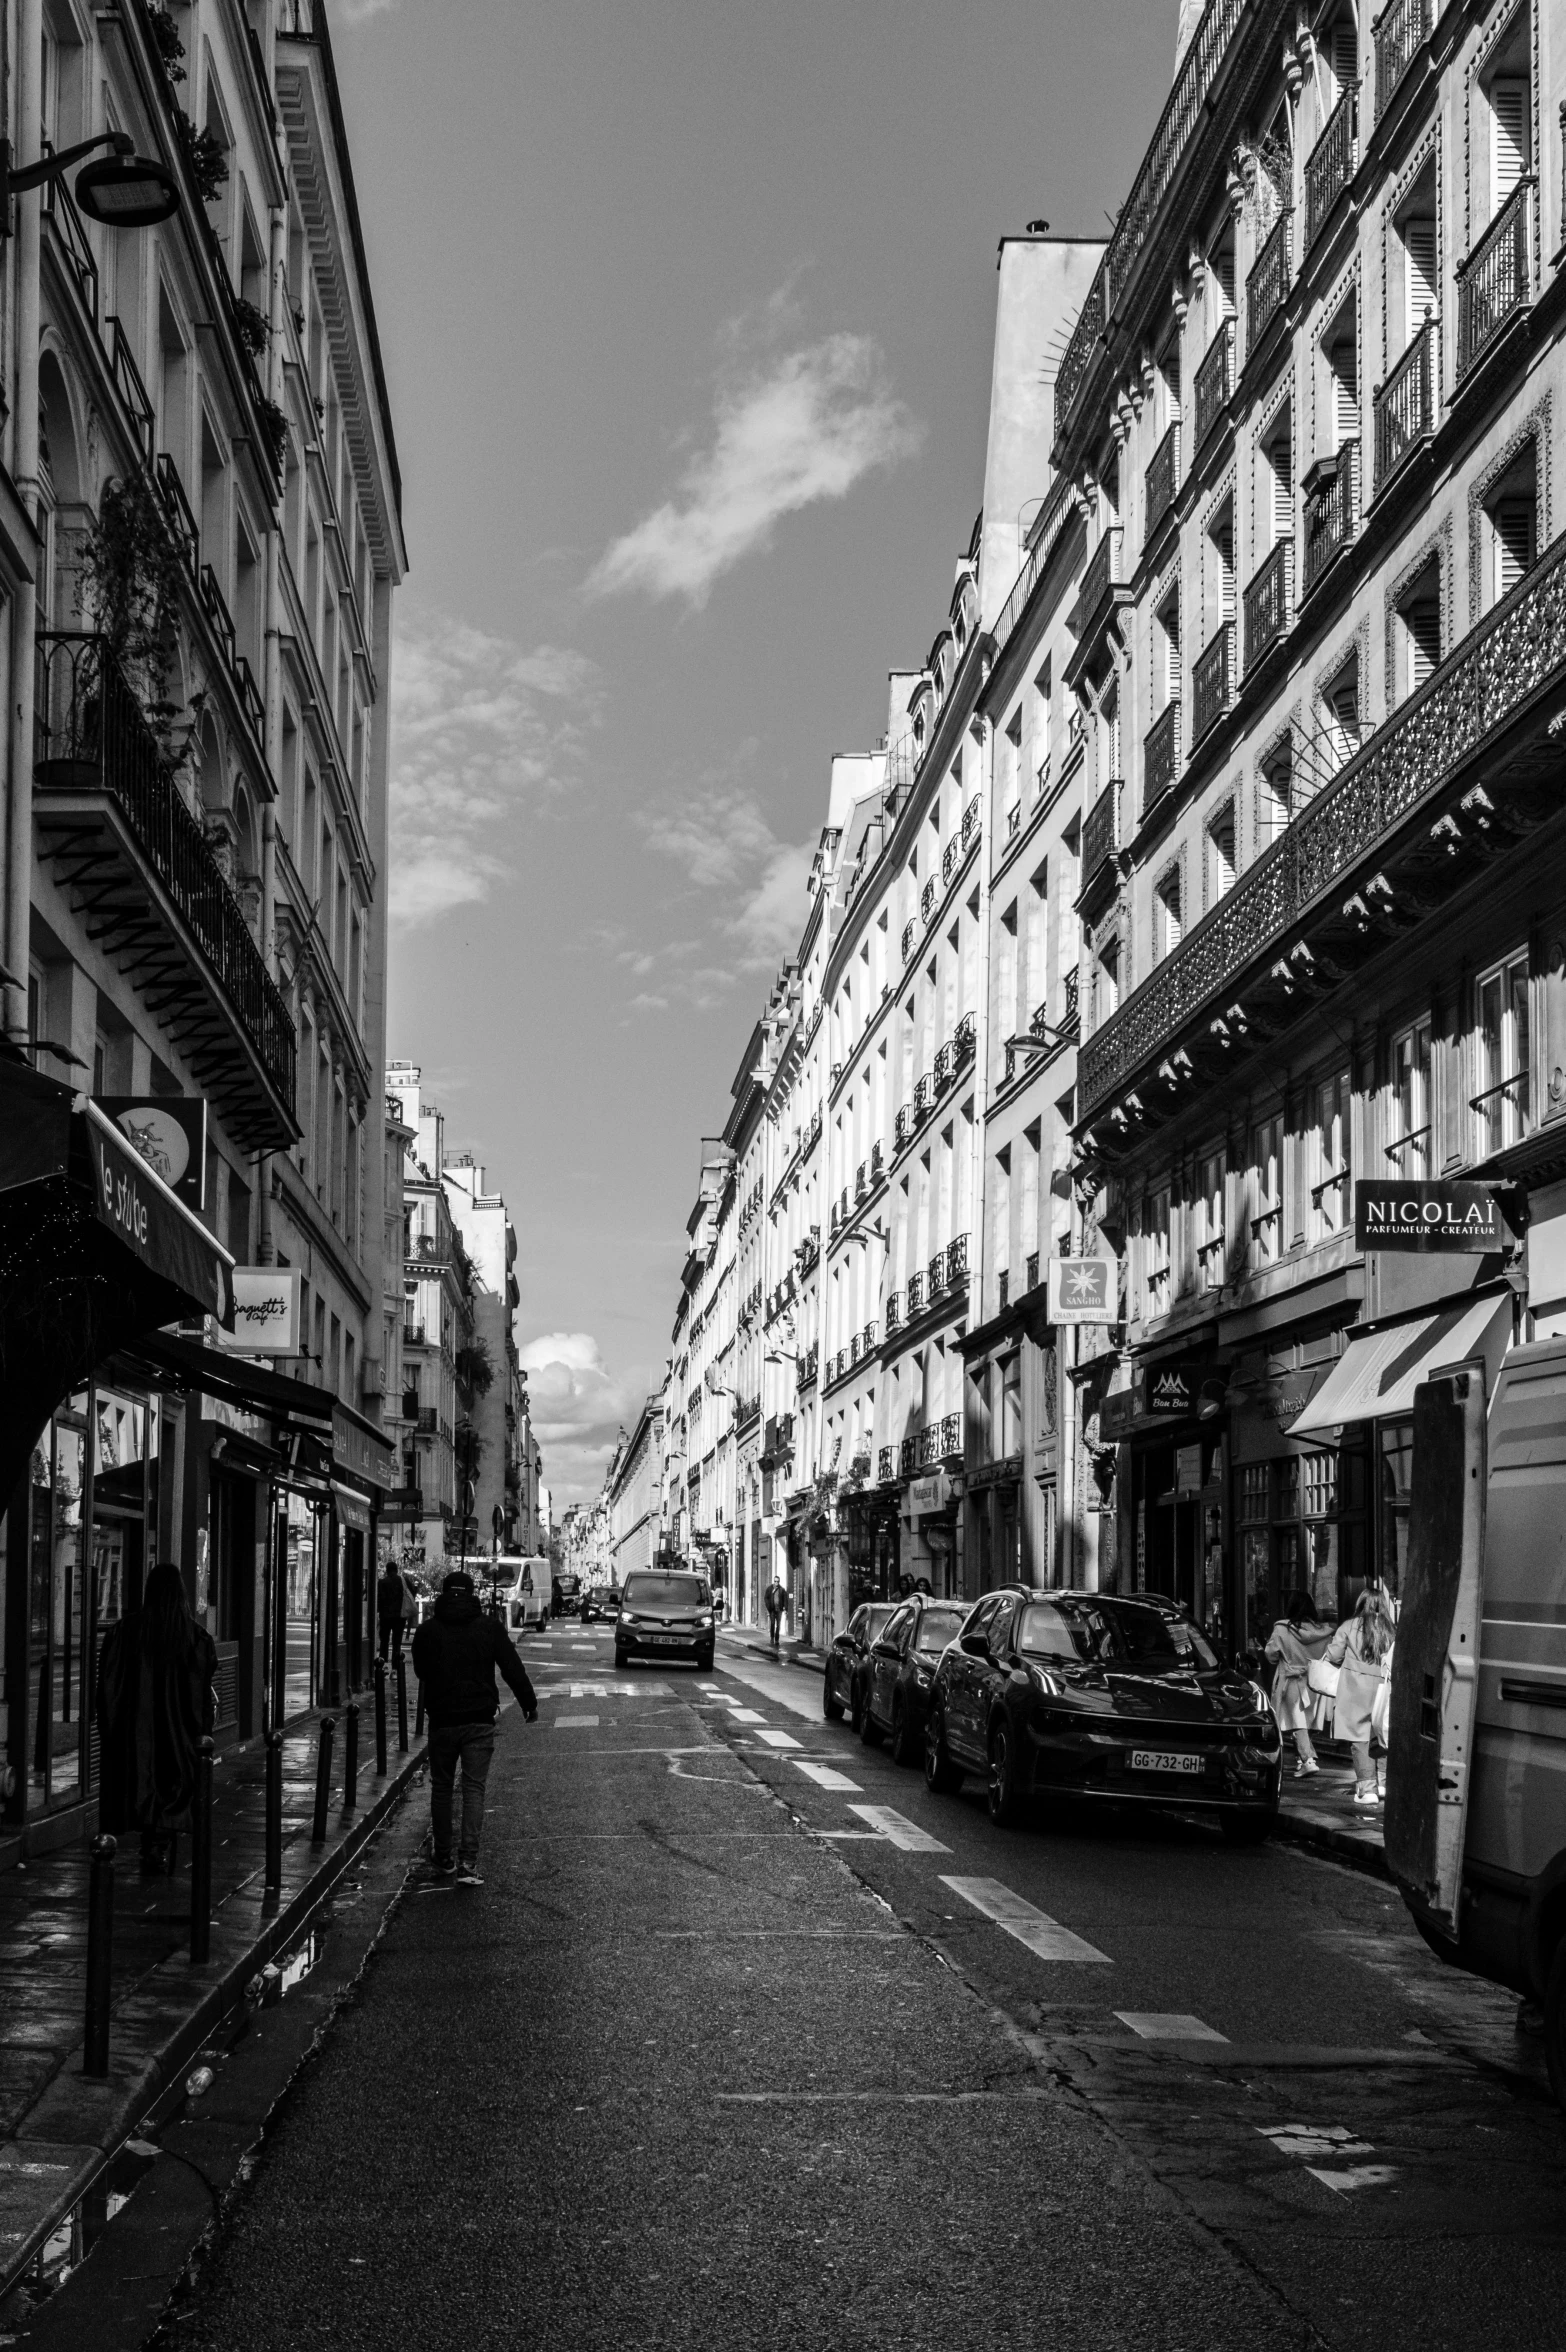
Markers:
1117,1412
153,1223
1172,1388
1188,1469
1458,1217
170,1132
1083,1290
266,1311
362,1452
929,1494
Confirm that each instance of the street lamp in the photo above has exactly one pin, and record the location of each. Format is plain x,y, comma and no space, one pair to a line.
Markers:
124,190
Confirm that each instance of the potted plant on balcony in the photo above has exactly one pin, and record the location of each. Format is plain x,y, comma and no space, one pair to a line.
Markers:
128,578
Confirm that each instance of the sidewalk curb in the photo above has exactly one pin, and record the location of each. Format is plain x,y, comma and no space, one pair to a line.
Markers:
1342,1845
76,2125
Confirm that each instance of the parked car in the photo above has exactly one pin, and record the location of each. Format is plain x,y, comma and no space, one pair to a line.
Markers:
599,1600
1101,1699
665,1613
900,1672
846,1660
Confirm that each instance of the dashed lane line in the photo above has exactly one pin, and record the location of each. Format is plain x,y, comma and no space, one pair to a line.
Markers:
824,1775
746,1715
1043,1936
776,1739
899,1830
576,1723
1167,2025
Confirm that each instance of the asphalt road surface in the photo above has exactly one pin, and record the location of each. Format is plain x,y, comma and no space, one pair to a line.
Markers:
747,2040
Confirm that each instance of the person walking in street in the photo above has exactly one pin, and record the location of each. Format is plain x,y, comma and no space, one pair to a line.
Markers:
1362,1649
155,1679
777,1602
390,1605
1296,1639
455,1653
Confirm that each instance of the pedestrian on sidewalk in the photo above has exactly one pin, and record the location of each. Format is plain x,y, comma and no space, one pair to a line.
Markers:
1298,1637
455,1653
1362,1649
391,1610
155,1678
777,1602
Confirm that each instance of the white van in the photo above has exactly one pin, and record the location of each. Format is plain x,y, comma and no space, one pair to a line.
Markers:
1476,1769
525,1583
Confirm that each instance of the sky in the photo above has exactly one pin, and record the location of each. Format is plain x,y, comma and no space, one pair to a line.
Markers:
687,310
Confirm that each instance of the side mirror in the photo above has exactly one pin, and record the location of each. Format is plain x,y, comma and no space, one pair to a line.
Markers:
975,1645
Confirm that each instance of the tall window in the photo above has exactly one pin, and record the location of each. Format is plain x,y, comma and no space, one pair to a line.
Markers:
1343,727
1220,854
1511,130
1331,1192
1512,515
1106,979
1418,647
1275,795
1209,1222
1500,1099
1042,715
1409,1148
1167,914
1277,516
1416,247
1155,1253
1343,370
1166,649
1266,1190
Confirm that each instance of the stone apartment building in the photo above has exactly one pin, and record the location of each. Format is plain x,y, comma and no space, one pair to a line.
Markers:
507,1479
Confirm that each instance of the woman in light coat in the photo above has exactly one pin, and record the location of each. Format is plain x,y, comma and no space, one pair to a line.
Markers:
1294,1643
1362,1648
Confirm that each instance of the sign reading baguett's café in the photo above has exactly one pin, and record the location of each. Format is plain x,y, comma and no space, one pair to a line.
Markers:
1428,1217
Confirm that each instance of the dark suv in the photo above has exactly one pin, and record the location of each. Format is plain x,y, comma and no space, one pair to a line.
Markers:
1082,1694
900,1671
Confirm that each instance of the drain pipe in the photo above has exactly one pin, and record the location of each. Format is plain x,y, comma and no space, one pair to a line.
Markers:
24,468
272,690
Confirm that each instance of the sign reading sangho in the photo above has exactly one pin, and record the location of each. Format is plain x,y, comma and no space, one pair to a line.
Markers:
1427,1217
266,1311
1083,1290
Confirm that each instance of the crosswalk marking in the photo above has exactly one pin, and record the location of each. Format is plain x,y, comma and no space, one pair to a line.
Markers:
899,1829
1168,2025
746,1715
777,1739
824,1775
1044,1937
576,1723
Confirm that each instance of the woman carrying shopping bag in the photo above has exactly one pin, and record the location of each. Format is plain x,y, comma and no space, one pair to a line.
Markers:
1362,1651
1295,1643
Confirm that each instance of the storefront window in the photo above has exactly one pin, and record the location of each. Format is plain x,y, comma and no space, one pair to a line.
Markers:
1397,1463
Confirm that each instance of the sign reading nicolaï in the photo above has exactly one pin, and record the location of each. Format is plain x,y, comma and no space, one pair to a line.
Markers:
1427,1217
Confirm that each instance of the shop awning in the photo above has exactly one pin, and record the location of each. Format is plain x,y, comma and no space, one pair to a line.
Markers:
95,1250
1377,1374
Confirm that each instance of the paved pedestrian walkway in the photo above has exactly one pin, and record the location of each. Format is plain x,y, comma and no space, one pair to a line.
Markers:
57,2127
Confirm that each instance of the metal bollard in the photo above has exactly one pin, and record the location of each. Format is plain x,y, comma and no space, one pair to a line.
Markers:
201,1859
100,1955
380,1719
402,1708
323,1778
274,1809
351,1758
418,1726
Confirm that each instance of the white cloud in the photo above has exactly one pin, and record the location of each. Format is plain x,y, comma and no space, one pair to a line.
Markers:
358,11
578,1408
803,427
479,728
719,835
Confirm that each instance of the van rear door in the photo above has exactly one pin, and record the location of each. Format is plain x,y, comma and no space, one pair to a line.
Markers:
1435,1662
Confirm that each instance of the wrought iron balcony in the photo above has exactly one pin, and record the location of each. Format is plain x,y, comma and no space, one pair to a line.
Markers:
1405,404
1014,820
951,1437
877,1161
1330,165
1161,482
893,1314
853,1352
929,1445
900,1127
943,1067
949,858
869,1339
1101,577
1331,510
1400,30
1160,756
921,1100
908,938
1266,289
965,1040
1099,835
1071,1020
907,1457
413,1335
935,1276
927,900
1212,682
970,822
1033,1270
1496,281
957,1260
1214,381
136,860
1381,805
1003,1290
861,1181
1269,602
915,1295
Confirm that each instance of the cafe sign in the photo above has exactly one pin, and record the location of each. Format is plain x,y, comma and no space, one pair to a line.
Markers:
1427,1217
266,1311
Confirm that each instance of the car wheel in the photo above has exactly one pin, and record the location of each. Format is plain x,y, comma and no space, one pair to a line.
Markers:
704,1662
1003,1795
869,1729
1246,1829
941,1775
903,1746
619,1659
856,1706
1555,2022
831,1706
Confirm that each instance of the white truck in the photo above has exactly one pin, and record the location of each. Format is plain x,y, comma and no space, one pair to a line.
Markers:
524,1583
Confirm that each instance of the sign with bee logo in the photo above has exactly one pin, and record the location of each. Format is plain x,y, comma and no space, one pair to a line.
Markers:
170,1132
1083,1290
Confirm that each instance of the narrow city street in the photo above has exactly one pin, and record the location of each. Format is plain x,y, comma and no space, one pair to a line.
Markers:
747,2037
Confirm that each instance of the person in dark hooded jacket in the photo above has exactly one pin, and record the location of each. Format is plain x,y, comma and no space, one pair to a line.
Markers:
455,1653
155,1681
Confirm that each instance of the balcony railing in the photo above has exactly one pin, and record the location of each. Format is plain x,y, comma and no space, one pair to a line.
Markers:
1162,479
1160,756
935,1275
1101,574
861,1181
965,1039
1405,405
91,736
885,1461
927,899
949,858
957,1260
900,1127
1033,1270
1513,659
970,822
1269,602
929,1445
1331,511
951,1437
877,1161
915,1295
59,206
1212,682
921,1100
907,1457
908,938
893,1315
943,1067
1496,281
1002,1291
1266,289
1330,164
1214,381
1071,1020
1099,834
1399,31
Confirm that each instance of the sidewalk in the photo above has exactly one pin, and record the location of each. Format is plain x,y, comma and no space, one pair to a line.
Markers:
58,2129
1318,1812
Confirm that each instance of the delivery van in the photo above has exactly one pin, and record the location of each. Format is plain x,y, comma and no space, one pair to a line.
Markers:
525,1583
1476,1768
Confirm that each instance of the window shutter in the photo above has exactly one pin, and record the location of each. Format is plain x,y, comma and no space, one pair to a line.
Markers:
1423,622
1514,520
1345,721
1509,138
1419,247
1282,493
1345,64
1223,542
1345,400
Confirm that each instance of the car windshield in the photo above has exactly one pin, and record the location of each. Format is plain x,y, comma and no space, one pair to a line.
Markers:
665,1592
937,1627
1111,1632
875,1620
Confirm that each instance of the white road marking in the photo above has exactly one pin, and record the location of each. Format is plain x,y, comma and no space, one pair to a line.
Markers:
782,1686
777,1739
1167,2025
1314,2139
899,1829
746,1715
588,1690
576,1722
825,1776
711,1689
1044,1937
1353,2176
